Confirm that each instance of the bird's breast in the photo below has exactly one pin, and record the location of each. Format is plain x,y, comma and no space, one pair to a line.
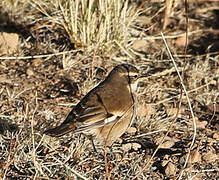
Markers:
134,86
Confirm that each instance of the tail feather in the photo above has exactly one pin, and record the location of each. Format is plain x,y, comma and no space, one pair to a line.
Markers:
60,130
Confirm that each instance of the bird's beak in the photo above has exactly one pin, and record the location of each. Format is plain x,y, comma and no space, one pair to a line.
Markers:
143,76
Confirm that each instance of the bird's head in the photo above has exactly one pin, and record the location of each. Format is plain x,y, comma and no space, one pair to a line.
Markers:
129,72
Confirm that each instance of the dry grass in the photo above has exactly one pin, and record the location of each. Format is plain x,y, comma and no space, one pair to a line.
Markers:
94,25
67,47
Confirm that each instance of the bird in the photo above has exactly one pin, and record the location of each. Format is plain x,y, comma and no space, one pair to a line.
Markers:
107,110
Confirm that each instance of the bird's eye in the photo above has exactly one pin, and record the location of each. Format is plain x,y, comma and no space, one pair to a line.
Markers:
134,78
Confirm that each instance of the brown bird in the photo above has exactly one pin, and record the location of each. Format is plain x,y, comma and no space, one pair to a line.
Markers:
107,110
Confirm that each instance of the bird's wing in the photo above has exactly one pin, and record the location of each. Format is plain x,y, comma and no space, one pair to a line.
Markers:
96,119
60,130
89,113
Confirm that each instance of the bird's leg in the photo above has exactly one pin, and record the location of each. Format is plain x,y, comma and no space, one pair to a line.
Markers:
92,142
90,137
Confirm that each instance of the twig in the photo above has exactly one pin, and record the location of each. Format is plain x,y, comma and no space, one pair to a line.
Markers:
162,140
189,103
190,91
193,117
106,163
71,169
125,51
205,170
38,56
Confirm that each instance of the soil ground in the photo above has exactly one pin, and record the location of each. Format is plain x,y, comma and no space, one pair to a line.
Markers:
37,93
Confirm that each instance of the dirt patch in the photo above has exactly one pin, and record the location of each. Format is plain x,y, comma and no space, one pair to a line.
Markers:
38,92
8,43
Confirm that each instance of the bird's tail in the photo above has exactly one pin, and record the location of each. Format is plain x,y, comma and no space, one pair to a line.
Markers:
61,130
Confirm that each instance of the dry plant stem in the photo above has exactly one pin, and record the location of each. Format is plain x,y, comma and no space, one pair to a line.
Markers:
125,51
106,163
141,5
71,169
39,56
181,34
9,160
194,123
169,4
33,140
205,170
40,8
162,140
214,104
192,90
124,157
190,107
187,23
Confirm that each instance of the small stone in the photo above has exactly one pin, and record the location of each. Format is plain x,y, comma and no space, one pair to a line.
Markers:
8,42
201,124
37,62
136,146
127,147
195,156
209,157
140,44
132,130
167,143
29,72
181,41
145,110
170,169
216,135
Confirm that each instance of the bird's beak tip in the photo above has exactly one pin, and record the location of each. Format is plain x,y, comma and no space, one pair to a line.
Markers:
143,76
